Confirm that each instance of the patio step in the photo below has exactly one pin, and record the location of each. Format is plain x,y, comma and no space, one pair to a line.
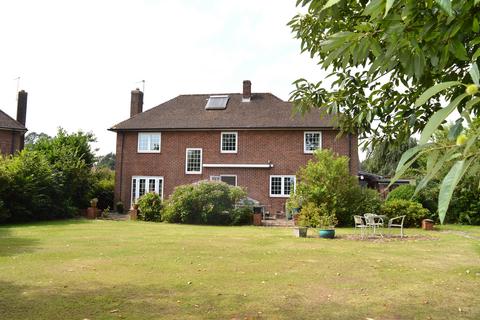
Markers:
277,223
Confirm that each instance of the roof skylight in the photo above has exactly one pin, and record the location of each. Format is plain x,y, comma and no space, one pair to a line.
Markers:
217,102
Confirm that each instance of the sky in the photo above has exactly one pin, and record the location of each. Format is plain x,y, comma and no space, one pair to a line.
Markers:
79,60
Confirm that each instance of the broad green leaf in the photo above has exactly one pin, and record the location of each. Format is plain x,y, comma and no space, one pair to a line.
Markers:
448,186
471,103
475,25
400,171
458,49
388,5
431,173
446,6
430,92
408,154
437,118
476,55
330,3
474,73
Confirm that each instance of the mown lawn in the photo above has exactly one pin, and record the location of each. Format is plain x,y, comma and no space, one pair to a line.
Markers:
82,269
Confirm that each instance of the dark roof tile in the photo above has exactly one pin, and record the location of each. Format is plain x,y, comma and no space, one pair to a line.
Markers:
187,112
7,122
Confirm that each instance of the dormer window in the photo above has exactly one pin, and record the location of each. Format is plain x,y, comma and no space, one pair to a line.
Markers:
217,102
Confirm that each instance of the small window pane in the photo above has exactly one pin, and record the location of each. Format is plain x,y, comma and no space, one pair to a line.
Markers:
143,144
276,185
288,185
194,160
134,190
148,142
229,142
151,185
312,141
231,180
155,142
141,189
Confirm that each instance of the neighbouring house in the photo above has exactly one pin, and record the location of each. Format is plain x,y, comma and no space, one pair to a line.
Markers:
12,132
245,139
380,183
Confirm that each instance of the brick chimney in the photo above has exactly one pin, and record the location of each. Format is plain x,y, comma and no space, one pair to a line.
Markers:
247,91
22,107
22,114
136,103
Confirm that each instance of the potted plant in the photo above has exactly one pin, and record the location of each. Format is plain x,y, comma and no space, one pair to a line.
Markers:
327,225
293,206
318,216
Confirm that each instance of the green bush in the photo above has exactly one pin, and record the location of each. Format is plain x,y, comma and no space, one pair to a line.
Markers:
30,189
315,216
103,186
403,192
242,216
327,181
413,211
204,203
150,207
465,205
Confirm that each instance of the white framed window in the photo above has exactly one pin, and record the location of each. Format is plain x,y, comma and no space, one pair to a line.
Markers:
229,142
149,142
193,161
145,184
230,179
312,140
281,186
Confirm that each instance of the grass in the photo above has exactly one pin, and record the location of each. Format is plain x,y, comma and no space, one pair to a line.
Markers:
132,270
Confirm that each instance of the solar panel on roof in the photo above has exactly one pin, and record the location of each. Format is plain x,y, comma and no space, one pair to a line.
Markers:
217,102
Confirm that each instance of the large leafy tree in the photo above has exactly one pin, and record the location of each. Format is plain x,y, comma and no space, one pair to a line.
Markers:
384,158
72,159
394,63
382,54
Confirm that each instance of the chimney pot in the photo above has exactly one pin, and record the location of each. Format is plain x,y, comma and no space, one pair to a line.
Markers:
136,102
247,91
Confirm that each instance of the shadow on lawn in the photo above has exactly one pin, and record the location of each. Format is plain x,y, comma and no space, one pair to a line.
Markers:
60,301
11,245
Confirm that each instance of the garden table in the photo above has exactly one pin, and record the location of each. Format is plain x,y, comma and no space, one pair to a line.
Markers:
375,221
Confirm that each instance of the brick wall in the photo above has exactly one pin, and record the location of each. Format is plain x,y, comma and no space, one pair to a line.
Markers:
283,148
9,141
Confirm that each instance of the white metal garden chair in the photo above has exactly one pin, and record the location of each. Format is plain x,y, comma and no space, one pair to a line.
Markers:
396,222
360,224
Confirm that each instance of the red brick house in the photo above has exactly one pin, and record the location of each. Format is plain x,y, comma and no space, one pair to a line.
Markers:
12,132
244,139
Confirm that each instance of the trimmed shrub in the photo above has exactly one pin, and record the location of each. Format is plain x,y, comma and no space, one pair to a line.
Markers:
204,203
413,211
403,192
150,207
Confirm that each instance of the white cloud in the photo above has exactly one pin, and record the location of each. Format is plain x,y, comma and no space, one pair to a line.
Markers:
79,59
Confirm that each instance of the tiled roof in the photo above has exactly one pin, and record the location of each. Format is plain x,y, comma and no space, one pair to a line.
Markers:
7,122
187,112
